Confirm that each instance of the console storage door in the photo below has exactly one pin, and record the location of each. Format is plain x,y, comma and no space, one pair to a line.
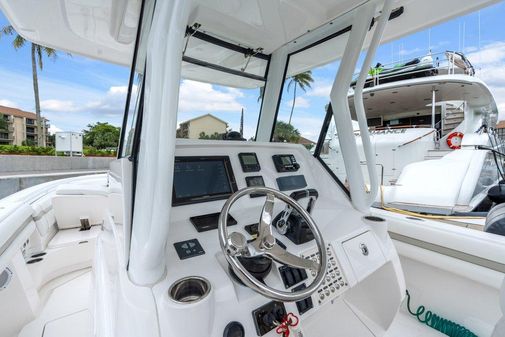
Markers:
364,254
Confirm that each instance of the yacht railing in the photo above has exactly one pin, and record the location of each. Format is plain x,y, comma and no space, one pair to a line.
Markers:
364,163
444,63
438,133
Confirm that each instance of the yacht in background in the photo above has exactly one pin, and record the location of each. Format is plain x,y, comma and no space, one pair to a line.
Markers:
426,119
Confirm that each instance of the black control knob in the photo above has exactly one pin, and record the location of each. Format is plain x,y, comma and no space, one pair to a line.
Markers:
279,314
234,329
268,319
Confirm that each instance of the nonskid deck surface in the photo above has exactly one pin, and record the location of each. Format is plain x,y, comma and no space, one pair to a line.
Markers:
405,325
66,311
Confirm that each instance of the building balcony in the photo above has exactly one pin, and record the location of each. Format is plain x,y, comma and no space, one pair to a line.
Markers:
5,137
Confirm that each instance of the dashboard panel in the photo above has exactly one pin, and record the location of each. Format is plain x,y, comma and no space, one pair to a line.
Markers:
309,183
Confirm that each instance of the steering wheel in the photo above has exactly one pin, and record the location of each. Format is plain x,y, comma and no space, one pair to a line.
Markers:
235,245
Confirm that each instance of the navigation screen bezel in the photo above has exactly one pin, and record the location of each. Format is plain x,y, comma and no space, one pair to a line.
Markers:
206,197
255,167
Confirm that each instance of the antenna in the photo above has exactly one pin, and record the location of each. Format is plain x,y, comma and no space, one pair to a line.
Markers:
463,40
480,51
429,40
459,36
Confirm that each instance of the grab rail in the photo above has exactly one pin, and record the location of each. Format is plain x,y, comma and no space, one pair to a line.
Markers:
359,106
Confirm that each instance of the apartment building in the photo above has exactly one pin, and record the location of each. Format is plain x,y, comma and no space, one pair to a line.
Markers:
206,124
20,127
500,129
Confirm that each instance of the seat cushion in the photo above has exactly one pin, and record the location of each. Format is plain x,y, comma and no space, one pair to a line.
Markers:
80,189
406,325
74,236
69,209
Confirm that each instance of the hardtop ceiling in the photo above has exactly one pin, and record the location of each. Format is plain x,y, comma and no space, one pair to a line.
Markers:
105,29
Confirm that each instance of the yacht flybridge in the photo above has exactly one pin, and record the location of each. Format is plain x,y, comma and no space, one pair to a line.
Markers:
232,238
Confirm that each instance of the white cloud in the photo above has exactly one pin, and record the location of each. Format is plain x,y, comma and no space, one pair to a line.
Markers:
301,102
57,105
8,103
118,90
112,103
17,87
405,52
489,62
53,129
204,97
488,55
309,127
109,104
321,89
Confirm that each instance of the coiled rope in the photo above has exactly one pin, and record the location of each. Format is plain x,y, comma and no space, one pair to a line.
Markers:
436,322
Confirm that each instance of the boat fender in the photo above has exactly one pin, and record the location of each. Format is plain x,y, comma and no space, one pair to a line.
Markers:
454,140
495,220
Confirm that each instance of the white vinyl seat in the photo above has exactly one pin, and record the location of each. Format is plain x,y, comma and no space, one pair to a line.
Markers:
406,325
73,202
74,236
81,189
43,215
45,222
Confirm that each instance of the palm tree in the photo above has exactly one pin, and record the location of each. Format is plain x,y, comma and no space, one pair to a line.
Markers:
37,53
262,91
302,80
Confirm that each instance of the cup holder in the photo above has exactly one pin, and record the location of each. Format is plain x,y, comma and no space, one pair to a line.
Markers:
189,290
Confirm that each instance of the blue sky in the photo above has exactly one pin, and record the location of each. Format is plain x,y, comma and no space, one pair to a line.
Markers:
76,91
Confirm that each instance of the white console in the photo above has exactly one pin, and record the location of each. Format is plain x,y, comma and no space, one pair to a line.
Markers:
357,256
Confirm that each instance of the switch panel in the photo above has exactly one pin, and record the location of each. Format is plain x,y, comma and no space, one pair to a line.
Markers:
189,248
303,305
334,282
291,276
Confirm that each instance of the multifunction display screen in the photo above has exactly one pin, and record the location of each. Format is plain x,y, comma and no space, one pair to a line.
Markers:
200,179
249,162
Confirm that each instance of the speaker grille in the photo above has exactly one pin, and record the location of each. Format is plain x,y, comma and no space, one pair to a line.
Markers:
5,278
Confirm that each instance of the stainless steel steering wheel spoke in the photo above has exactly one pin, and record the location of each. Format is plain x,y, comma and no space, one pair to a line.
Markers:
264,227
280,255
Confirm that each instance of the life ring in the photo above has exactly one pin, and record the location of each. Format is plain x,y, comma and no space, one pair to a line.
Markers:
454,140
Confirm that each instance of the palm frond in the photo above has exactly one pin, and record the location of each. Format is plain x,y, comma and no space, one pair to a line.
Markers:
262,91
7,30
18,42
50,52
303,80
291,82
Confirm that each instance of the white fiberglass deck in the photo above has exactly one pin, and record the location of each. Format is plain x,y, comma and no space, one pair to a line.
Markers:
66,311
